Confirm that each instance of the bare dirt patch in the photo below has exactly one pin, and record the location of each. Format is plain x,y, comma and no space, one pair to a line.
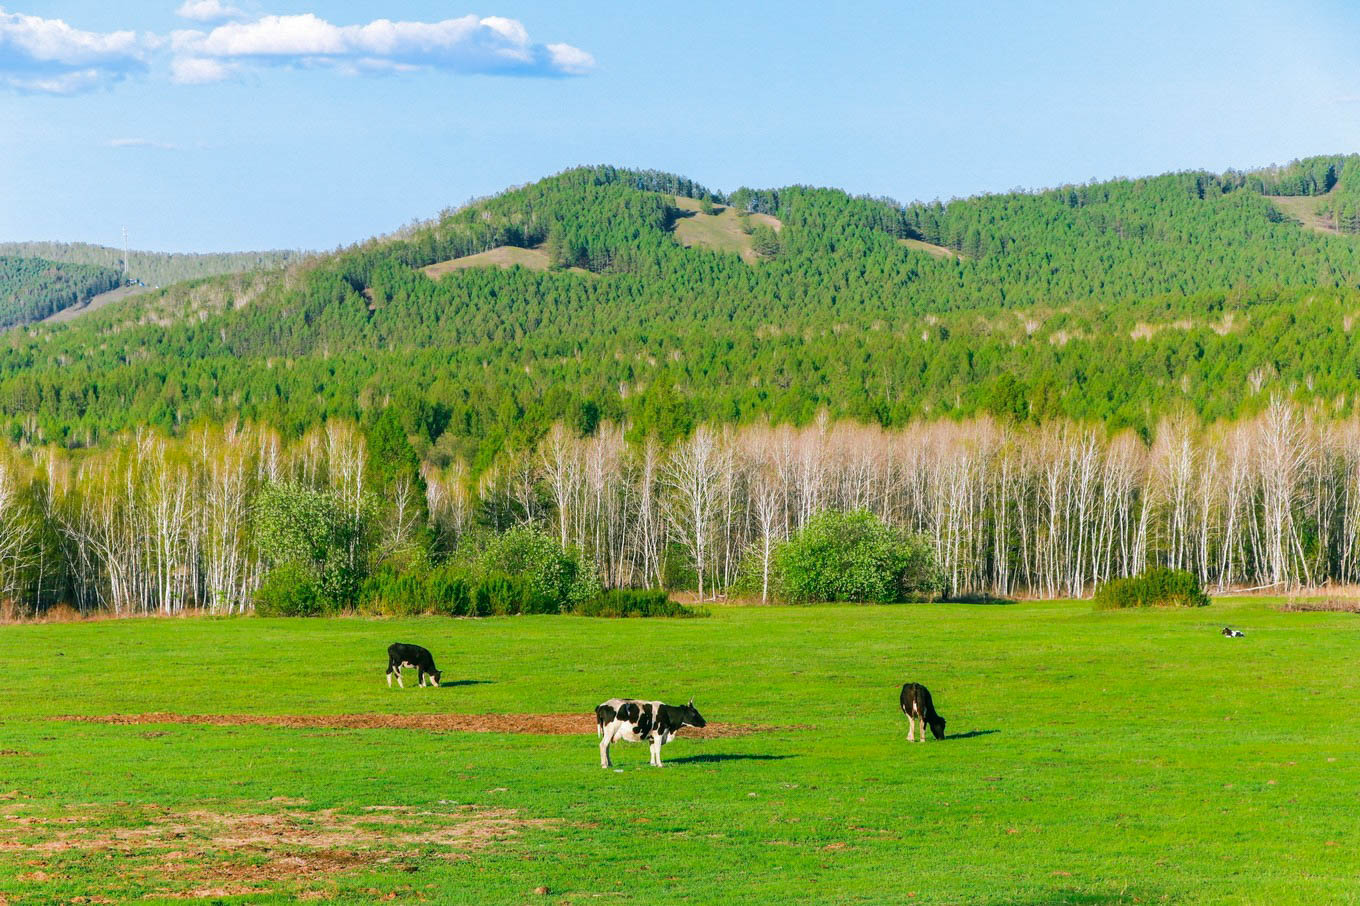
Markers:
200,853
537,724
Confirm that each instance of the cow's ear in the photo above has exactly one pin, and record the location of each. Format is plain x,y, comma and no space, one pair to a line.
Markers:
691,701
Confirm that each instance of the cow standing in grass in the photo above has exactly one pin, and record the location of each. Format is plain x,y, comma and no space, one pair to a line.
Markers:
637,721
916,704
401,655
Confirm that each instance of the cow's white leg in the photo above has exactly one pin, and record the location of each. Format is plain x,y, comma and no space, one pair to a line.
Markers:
656,750
400,684
922,737
911,728
605,739
389,679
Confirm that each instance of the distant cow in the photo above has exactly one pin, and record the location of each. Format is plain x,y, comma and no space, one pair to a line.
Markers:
636,721
916,704
399,656
1233,633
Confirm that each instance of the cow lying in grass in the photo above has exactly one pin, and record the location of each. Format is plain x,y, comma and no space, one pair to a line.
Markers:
635,721
916,704
399,656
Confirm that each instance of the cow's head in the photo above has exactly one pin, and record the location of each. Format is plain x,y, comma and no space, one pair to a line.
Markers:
937,726
692,715
435,676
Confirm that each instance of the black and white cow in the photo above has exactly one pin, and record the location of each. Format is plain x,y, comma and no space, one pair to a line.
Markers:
916,704
399,656
1233,633
636,721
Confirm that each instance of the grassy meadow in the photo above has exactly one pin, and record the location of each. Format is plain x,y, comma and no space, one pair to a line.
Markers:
1092,758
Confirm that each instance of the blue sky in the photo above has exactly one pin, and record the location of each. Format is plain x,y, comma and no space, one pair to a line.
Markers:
237,124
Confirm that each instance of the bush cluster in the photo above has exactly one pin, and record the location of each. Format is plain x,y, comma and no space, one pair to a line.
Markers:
1159,587
856,557
636,602
520,571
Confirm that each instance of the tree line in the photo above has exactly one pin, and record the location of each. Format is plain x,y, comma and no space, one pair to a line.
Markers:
155,524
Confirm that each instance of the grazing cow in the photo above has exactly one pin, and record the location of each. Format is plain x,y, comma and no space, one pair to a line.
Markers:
399,656
916,704
1233,633
635,721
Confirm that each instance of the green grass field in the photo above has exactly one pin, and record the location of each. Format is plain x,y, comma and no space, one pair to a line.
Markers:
1118,757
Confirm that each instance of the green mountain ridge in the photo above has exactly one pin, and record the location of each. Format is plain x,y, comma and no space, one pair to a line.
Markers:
1115,302
34,288
154,268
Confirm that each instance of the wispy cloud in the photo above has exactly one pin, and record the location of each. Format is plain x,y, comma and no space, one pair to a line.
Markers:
209,11
491,45
142,143
48,56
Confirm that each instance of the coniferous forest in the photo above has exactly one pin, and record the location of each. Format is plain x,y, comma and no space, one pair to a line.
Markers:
1055,387
33,288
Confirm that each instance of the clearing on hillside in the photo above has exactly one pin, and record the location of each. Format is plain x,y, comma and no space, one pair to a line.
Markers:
1303,208
721,231
930,248
98,302
502,256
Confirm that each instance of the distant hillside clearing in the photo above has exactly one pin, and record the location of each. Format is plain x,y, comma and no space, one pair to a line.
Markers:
98,302
503,256
721,231
1303,208
930,248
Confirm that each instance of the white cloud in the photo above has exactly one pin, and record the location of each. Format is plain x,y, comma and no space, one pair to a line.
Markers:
50,57
491,45
142,143
197,71
208,11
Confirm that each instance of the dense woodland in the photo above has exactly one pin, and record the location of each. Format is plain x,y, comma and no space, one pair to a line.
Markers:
158,525
1026,402
33,288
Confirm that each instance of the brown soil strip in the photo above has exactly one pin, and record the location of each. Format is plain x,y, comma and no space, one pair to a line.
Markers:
200,850
538,724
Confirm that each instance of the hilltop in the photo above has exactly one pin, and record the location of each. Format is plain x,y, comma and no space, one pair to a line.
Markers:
639,296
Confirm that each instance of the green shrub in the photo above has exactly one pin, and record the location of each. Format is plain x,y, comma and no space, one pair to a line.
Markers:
1158,587
556,579
290,591
635,602
857,557
312,533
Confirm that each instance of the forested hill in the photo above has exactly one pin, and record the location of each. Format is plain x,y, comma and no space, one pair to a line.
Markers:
1112,302
33,288
154,268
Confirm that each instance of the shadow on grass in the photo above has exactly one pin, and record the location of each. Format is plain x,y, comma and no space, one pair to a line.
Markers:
451,684
970,734
717,757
